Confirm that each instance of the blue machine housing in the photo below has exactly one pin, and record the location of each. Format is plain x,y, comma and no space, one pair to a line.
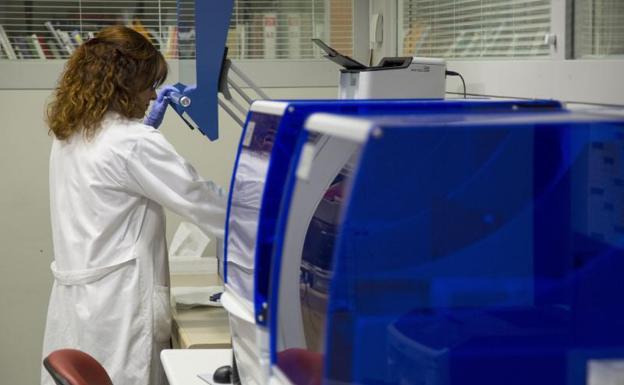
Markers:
477,249
279,131
212,19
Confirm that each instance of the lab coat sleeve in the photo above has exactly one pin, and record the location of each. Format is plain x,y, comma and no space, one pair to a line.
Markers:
158,172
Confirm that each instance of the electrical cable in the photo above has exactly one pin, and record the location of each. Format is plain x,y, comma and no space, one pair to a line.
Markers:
453,73
525,98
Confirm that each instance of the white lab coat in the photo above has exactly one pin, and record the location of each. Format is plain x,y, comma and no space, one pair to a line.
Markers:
110,296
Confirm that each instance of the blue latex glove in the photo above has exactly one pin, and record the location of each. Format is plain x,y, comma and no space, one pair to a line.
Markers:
155,117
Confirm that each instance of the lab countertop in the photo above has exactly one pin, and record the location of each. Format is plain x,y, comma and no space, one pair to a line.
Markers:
203,327
183,366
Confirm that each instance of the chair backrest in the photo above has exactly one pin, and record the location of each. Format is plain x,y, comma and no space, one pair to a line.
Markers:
73,367
301,366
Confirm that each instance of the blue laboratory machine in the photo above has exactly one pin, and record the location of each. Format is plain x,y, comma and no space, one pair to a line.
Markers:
443,248
265,158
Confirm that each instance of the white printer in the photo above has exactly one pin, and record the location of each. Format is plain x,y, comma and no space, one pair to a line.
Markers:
392,78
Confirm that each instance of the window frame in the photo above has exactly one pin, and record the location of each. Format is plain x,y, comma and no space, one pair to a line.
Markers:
556,76
401,36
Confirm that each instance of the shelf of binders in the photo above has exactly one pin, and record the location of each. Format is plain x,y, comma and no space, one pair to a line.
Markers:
256,38
55,42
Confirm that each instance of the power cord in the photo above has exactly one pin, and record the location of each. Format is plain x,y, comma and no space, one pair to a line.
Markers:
453,73
610,105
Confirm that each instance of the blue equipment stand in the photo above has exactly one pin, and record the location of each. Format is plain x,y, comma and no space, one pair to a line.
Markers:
212,19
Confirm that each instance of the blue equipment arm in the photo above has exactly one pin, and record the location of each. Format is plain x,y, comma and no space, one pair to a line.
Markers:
212,19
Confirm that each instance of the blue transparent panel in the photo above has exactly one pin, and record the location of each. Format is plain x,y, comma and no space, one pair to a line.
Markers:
281,183
281,158
314,219
316,264
489,251
245,198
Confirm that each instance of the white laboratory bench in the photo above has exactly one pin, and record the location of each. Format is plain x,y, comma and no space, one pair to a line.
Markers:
200,327
201,335
182,366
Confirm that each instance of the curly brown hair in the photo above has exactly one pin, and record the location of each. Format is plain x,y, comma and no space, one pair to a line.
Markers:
106,73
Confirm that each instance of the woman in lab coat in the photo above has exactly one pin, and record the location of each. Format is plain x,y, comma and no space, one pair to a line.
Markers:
110,176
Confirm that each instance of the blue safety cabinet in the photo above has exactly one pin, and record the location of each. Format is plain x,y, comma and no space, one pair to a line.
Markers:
264,159
452,249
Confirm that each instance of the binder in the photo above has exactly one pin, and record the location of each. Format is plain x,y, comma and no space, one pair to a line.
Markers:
53,49
77,38
67,41
59,39
294,35
6,44
46,48
171,51
38,48
23,48
269,35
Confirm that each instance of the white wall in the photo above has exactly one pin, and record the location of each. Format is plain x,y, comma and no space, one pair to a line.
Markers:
24,234
589,81
25,237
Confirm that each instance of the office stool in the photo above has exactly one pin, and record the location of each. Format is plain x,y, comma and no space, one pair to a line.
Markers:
73,367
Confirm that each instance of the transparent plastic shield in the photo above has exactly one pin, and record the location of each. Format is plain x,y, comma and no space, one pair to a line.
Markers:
186,42
317,256
247,189
322,174
488,250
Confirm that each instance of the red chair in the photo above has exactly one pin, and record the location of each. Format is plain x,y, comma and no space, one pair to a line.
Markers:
303,367
73,367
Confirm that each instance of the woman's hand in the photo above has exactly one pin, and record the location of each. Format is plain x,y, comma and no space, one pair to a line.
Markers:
155,117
